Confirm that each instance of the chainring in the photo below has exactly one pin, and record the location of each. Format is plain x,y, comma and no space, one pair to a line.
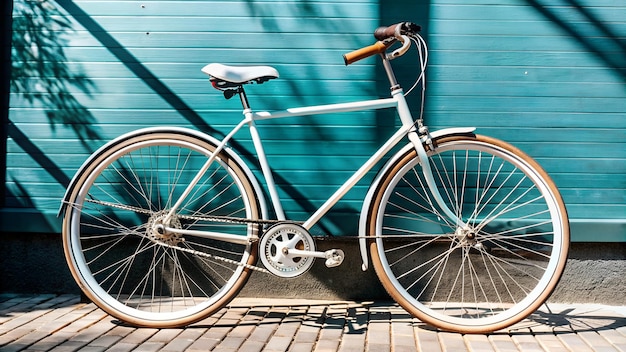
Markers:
275,245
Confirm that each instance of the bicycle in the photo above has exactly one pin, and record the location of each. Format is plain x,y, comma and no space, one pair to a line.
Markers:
163,226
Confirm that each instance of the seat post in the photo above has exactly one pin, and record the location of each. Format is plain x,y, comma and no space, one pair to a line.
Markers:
243,98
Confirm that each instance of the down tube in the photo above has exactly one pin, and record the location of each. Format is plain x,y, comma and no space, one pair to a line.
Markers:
358,175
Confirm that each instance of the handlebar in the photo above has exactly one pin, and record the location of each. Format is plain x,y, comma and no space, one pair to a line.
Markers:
396,30
386,36
359,54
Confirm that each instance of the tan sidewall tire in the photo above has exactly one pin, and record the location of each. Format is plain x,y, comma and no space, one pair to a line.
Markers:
392,290
237,286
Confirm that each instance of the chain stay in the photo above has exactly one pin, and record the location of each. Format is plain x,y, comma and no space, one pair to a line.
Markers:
209,256
197,218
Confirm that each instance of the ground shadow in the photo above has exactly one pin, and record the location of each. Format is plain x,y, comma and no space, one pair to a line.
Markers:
570,320
342,314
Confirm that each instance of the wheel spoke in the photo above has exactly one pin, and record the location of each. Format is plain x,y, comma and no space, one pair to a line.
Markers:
494,267
128,264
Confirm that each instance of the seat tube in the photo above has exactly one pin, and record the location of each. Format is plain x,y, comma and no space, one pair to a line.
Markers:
265,167
261,156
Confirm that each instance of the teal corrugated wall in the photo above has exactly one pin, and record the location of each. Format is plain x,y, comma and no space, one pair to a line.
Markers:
549,77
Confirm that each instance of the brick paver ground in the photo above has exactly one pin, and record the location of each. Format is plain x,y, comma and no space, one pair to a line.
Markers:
63,323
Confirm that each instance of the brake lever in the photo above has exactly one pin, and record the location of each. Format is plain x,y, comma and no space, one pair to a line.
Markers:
406,44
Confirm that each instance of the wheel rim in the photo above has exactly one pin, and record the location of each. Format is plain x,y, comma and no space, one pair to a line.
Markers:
128,268
455,281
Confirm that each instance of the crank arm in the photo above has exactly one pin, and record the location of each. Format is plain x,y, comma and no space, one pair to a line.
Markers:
334,257
299,253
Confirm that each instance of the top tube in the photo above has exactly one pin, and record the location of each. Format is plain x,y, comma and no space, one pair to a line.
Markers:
330,108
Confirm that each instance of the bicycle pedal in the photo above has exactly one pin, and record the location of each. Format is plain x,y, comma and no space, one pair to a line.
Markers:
334,257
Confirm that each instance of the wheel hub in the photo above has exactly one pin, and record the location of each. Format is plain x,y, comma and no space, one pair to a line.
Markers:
467,237
156,229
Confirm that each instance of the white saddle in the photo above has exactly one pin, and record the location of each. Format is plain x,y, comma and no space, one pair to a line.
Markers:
240,74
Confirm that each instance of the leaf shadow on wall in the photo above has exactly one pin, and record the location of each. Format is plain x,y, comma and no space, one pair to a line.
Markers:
40,70
161,89
41,76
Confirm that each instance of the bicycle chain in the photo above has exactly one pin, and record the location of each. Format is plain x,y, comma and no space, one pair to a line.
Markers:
198,218
232,220
210,256
226,219
208,218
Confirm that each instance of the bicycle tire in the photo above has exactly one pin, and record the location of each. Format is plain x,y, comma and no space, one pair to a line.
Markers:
499,266
123,264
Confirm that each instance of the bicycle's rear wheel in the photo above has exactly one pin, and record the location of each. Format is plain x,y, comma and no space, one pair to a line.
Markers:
496,269
120,259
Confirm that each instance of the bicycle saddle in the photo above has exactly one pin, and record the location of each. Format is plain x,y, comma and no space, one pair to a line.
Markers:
238,75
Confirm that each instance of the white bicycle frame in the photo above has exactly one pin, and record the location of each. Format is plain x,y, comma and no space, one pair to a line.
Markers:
397,100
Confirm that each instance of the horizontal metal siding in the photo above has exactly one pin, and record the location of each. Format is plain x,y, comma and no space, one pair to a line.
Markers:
141,63
548,77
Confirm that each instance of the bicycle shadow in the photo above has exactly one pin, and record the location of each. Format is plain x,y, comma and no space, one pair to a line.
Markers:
564,319
561,319
352,317
359,317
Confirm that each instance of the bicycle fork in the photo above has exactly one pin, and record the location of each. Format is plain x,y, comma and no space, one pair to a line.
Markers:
418,145
414,136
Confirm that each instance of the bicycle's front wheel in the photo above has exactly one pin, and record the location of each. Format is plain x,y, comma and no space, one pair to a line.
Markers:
495,267
113,232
